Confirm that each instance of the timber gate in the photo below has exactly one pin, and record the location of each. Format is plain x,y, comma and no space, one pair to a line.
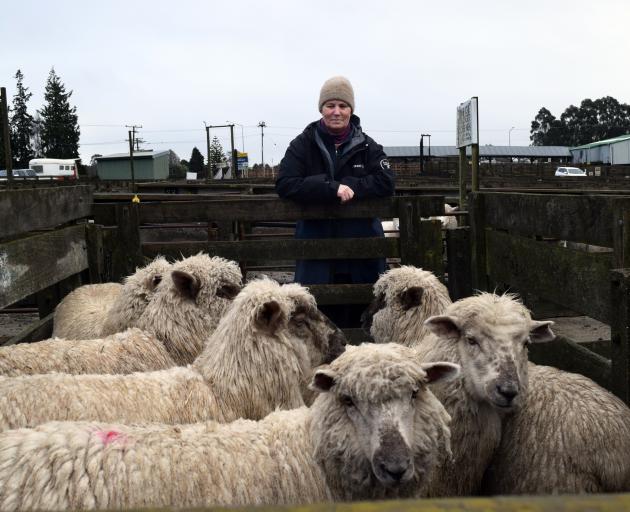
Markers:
516,245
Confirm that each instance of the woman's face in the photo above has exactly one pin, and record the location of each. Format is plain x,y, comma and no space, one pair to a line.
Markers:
336,115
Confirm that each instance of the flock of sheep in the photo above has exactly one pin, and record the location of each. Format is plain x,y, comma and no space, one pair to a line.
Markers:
184,388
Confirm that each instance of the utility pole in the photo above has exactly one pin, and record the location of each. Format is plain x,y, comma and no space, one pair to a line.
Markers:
233,153
262,143
208,171
133,176
6,135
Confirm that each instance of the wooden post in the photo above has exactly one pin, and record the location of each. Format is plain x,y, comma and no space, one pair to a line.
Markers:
420,241
478,241
463,169
94,237
620,333
475,167
127,252
458,257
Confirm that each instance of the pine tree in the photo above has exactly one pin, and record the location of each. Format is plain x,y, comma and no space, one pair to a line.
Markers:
21,126
60,129
196,162
216,155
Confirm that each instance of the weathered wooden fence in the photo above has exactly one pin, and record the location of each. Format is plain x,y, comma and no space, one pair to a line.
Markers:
43,248
515,246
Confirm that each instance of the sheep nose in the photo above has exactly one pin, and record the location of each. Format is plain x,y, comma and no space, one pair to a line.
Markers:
507,391
395,471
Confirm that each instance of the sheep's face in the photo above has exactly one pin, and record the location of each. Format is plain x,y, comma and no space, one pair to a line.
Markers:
404,298
378,414
323,339
492,336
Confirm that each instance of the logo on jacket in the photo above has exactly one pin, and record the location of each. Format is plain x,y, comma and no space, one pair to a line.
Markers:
385,164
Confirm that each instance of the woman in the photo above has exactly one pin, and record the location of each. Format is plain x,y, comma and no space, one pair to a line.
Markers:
332,160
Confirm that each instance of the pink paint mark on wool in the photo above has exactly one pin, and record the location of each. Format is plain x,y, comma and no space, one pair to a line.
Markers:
109,436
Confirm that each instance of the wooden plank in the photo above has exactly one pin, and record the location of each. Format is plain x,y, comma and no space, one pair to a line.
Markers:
256,209
32,209
620,333
32,264
621,233
126,253
569,356
40,330
587,219
458,257
575,279
432,257
275,250
476,216
342,293
420,241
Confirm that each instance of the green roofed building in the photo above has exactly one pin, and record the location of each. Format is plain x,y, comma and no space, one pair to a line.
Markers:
147,165
615,151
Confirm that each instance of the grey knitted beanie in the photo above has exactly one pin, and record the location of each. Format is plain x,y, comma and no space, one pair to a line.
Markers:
337,88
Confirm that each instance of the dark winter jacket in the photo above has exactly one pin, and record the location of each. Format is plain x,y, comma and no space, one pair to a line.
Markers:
311,172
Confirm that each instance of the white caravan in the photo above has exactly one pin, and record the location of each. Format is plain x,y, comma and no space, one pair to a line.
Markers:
56,168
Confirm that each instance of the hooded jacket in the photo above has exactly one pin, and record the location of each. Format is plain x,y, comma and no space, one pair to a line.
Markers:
311,172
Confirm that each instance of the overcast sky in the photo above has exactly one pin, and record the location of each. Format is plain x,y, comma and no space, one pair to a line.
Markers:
170,66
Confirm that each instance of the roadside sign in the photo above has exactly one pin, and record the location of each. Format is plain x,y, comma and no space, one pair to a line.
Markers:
467,123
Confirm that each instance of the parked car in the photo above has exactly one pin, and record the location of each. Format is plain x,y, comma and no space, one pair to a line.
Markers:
569,171
19,174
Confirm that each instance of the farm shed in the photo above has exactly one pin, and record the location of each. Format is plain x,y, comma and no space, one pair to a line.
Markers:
615,151
147,166
555,153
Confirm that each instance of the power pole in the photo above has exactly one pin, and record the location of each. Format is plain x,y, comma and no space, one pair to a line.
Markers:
132,138
208,171
262,144
6,135
233,153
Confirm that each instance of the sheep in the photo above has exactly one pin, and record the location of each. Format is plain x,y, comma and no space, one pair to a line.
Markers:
404,298
190,300
96,310
375,431
188,304
130,351
257,360
487,335
570,436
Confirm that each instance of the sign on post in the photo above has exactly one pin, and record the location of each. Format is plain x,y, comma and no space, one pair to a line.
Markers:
467,123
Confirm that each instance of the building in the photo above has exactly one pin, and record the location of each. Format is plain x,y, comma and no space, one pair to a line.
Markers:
147,165
615,151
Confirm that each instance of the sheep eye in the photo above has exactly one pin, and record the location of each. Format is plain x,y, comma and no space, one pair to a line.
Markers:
472,340
414,394
346,401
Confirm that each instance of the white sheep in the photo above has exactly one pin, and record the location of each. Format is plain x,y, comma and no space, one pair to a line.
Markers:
404,298
570,436
257,360
189,302
96,310
374,432
129,351
392,227
190,299
487,335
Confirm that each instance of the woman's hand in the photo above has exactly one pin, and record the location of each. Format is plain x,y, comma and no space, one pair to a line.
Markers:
345,193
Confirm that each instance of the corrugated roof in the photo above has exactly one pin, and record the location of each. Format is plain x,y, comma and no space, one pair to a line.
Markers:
484,151
603,142
136,154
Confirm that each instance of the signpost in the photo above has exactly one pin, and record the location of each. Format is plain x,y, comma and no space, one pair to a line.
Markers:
242,163
468,135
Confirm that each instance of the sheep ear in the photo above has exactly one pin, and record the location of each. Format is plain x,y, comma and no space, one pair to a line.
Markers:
269,317
541,332
411,297
323,380
186,285
441,371
228,291
443,326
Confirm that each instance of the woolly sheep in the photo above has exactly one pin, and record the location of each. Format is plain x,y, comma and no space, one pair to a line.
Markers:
486,335
96,310
130,351
257,360
404,298
392,227
189,302
374,432
570,436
